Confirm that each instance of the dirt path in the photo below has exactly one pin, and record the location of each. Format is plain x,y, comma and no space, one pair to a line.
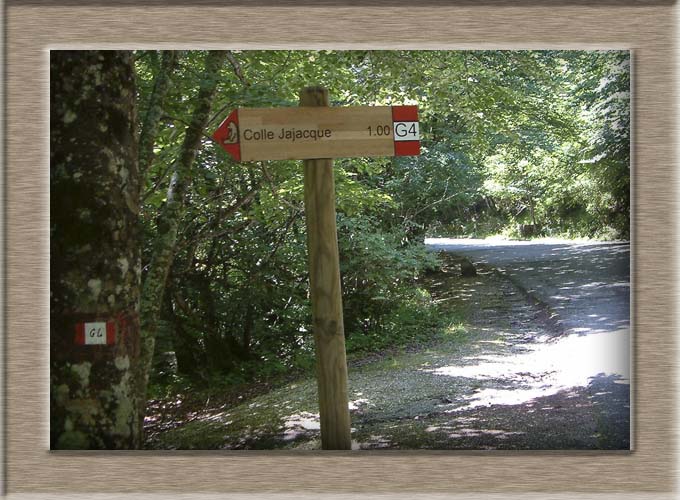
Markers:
507,379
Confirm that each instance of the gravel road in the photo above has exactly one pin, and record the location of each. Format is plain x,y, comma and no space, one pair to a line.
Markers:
584,289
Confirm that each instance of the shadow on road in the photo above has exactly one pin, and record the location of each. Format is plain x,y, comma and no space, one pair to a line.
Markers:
509,377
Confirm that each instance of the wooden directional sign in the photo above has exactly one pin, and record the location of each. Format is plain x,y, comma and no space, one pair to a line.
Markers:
250,134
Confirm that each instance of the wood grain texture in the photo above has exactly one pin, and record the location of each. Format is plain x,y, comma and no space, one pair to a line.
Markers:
647,29
346,129
324,288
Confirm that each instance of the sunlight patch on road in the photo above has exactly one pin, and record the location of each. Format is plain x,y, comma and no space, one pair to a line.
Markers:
572,361
300,424
357,403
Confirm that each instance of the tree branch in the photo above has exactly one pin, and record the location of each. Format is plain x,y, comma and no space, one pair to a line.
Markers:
151,122
237,68
244,200
273,188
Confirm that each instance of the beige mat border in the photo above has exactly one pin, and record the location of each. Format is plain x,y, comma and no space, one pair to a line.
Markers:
646,28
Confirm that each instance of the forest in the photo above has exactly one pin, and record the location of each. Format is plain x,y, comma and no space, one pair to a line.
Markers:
214,294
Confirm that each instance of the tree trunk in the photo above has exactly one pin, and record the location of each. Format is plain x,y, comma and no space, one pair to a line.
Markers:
248,327
95,389
166,239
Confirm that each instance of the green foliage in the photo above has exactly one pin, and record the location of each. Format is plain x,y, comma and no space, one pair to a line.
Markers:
508,138
415,319
378,280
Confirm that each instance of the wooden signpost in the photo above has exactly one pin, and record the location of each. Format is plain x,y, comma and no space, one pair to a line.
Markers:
315,132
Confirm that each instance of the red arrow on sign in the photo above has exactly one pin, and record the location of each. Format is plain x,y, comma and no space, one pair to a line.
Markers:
226,135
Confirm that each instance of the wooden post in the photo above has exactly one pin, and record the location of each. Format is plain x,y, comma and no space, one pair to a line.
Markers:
326,297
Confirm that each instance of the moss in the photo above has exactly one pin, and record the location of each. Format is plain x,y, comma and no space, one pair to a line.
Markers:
124,409
61,394
123,420
83,372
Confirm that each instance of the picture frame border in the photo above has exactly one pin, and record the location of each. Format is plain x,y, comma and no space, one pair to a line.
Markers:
647,28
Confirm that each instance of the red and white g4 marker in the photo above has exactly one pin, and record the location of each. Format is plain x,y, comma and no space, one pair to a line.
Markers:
96,333
253,134
406,130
